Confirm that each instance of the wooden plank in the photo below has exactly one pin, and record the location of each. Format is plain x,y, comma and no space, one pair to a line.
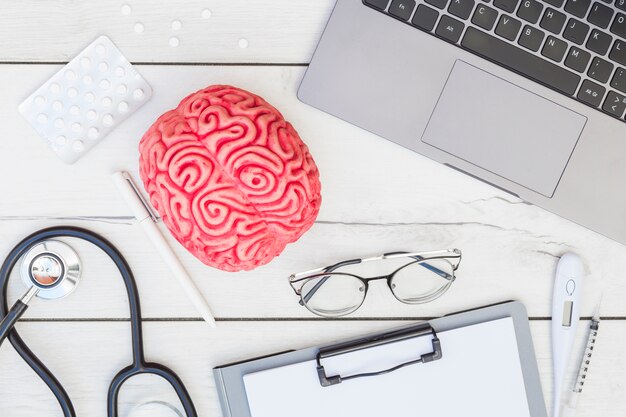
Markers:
519,266
35,31
86,356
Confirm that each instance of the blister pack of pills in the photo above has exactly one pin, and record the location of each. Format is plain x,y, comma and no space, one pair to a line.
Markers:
85,100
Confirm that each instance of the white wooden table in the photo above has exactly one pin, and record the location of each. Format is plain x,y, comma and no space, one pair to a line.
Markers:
377,197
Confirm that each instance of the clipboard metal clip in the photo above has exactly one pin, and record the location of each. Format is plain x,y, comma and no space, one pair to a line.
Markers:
424,329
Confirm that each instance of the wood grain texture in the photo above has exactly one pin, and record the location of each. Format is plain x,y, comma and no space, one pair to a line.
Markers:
85,356
377,197
45,31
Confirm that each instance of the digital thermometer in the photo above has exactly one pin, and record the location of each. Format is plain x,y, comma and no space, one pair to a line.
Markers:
566,298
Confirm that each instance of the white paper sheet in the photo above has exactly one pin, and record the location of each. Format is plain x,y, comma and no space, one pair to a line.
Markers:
479,375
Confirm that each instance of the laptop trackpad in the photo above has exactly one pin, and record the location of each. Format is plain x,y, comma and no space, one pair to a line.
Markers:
503,128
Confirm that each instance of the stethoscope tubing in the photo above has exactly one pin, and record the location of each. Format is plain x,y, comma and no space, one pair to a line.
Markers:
139,366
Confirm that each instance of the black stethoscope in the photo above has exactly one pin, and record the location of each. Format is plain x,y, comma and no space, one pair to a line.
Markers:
53,271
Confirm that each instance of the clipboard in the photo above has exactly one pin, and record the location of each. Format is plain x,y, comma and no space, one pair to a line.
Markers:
315,365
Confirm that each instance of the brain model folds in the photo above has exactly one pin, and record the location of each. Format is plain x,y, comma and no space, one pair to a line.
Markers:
232,180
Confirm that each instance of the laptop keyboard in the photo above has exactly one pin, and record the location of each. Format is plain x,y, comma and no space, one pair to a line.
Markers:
576,47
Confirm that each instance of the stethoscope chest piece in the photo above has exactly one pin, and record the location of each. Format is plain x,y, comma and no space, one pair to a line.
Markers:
52,267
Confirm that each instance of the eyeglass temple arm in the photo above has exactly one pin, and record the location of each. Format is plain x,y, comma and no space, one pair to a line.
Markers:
442,274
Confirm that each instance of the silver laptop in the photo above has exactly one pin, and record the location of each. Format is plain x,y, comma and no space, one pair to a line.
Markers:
526,95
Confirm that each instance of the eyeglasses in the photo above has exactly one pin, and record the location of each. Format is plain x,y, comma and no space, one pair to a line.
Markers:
422,277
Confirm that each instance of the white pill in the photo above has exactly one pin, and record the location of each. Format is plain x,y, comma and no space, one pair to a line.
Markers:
70,75
122,107
85,62
176,24
103,66
126,9
91,114
119,71
40,100
57,105
42,118
76,127
106,101
139,27
92,133
107,119
122,89
105,84
78,146
74,110
72,92
100,49
55,88
206,13
90,97
174,41
138,94
87,79
59,123
243,43
61,140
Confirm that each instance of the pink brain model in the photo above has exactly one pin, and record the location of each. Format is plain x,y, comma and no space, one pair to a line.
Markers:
232,180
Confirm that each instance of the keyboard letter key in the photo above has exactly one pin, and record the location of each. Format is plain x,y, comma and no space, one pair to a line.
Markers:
484,16
508,27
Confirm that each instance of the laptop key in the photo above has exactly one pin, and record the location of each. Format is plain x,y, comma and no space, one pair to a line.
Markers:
508,27
614,104
591,93
440,4
506,5
600,70
425,17
600,15
619,80
461,8
378,4
520,61
620,4
577,59
554,49
552,21
577,7
531,38
576,31
402,9
619,25
555,3
599,42
530,10
618,52
449,29
484,16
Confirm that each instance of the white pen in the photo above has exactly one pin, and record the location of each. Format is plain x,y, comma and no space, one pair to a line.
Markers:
148,221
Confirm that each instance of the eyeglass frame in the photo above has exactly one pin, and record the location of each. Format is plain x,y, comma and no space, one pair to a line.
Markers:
454,254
